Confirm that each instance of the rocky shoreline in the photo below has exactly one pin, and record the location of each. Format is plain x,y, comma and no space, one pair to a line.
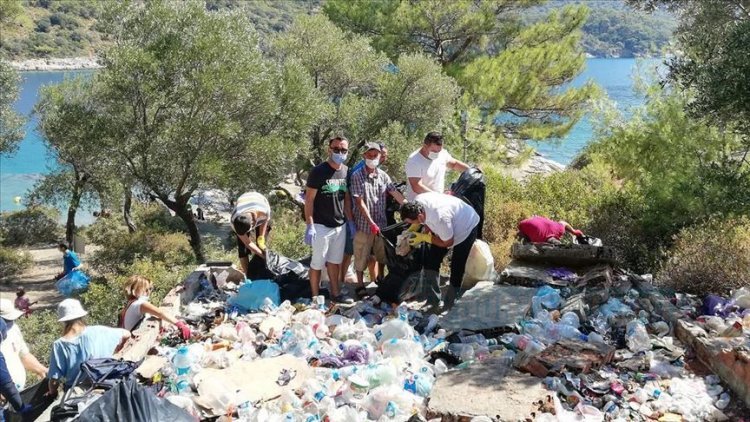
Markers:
56,64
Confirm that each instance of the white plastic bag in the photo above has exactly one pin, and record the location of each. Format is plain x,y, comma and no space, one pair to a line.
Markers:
479,266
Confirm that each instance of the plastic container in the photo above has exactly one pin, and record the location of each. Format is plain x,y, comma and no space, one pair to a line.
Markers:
570,318
463,351
182,362
394,328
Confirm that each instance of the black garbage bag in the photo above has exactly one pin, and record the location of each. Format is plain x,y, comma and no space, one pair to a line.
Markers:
471,186
293,277
38,399
129,401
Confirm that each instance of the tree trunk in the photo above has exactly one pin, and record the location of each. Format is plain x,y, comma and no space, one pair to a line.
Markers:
75,201
126,210
183,211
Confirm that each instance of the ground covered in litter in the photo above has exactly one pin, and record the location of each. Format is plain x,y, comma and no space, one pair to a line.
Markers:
577,345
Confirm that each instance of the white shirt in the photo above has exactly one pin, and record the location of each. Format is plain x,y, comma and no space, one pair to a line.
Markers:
447,216
13,347
133,314
431,172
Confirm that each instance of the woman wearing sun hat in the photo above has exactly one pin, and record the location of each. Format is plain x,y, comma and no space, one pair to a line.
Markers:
78,344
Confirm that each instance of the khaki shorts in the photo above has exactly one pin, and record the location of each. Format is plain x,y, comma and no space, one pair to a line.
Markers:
366,244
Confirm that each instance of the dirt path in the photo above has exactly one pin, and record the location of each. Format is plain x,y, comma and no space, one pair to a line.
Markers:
39,280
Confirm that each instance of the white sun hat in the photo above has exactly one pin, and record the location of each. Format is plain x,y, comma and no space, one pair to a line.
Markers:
70,309
8,310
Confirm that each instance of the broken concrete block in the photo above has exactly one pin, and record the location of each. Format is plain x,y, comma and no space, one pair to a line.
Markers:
489,389
573,256
601,275
575,356
525,274
488,306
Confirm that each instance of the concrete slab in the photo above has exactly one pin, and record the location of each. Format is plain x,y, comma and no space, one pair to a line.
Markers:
488,389
488,306
525,274
572,256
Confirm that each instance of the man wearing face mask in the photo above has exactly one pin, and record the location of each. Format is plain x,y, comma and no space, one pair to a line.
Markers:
325,202
426,167
369,190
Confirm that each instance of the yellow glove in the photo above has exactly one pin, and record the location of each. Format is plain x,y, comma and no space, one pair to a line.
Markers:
414,228
418,238
261,241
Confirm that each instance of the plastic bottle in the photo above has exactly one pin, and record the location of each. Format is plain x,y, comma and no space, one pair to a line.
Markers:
596,338
244,411
476,338
440,367
570,318
394,328
268,306
463,351
403,312
182,362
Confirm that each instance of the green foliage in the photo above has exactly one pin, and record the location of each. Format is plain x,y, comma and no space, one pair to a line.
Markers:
13,262
11,124
9,10
712,257
287,234
156,218
40,330
31,226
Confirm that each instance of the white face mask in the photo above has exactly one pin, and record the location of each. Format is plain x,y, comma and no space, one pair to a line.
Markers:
373,164
433,155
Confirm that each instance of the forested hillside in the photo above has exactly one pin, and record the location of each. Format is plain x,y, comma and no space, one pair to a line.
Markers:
67,28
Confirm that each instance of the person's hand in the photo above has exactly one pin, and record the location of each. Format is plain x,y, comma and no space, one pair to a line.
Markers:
352,228
577,233
261,241
414,228
418,238
310,235
374,229
185,332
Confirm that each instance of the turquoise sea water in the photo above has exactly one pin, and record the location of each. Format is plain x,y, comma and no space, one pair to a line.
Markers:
19,172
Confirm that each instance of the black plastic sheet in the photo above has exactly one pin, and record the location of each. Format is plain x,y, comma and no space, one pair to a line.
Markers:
129,401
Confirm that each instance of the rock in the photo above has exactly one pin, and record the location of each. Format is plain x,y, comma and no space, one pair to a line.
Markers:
571,256
487,306
488,389
525,274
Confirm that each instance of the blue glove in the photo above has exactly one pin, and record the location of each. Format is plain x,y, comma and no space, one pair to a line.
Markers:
310,235
352,228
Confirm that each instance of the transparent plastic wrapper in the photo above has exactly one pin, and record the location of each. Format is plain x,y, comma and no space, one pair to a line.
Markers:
407,350
637,337
545,298
391,401
741,297
394,328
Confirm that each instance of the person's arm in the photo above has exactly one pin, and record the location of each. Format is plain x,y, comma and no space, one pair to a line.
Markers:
252,246
398,196
125,336
264,227
570,229
437,241
363,209
244,264
309,201
348,207
8,387
31,363
457,165
417,186
148,307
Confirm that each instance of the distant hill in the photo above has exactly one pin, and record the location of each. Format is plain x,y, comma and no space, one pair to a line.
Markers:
67,28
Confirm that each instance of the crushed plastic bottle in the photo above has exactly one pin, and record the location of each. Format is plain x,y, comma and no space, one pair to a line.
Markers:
463,351
637,337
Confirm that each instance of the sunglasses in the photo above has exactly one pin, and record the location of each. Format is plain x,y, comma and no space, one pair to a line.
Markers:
340,150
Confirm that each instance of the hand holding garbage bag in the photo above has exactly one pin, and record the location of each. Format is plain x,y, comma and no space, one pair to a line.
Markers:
418,238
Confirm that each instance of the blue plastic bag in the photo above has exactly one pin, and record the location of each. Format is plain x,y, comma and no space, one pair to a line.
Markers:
75,281
252,294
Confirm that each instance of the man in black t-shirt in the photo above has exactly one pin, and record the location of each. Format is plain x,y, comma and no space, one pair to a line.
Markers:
325,202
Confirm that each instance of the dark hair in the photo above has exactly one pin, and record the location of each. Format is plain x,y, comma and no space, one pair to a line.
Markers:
242,224
337,138
434,138
410,210
62,245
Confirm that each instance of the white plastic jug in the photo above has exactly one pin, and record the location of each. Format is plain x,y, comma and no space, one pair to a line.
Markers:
479,266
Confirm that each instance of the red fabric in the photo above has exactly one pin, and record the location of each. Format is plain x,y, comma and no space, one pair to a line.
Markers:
539,229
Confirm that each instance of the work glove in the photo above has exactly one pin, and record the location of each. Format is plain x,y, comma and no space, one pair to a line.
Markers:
414,228
418,238
352,228
310,235
374,229
261,241
185,333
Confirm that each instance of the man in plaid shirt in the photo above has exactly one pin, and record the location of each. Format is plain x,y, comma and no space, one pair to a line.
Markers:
369,187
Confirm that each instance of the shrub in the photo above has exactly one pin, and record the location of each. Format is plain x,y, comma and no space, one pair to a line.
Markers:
40,330
713,257
287,235
172,249
157,218
13,262
32,226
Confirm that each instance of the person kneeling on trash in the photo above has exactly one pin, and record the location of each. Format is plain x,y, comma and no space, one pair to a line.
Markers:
252,214
78,344
138,289
452,223
538,229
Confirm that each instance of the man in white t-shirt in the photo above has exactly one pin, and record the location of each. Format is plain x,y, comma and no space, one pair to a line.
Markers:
453,224
14,348
426,167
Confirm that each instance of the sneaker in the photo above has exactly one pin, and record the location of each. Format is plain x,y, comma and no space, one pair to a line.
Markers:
343,298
